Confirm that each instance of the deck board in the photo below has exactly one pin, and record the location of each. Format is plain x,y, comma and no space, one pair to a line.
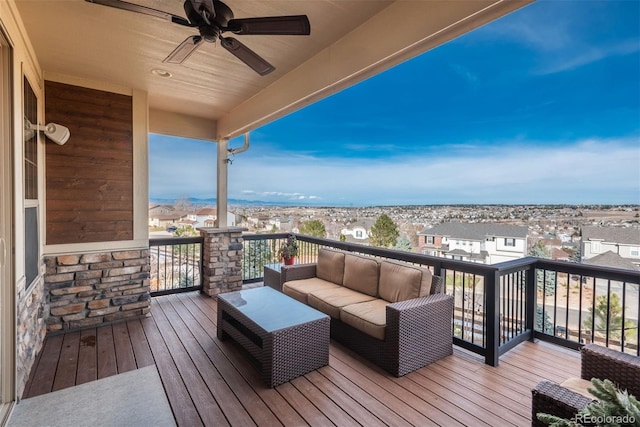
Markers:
68,363
215,383
125,359
182,406
209,382
107,362
141,350
44,373
204,402
87,357
254,406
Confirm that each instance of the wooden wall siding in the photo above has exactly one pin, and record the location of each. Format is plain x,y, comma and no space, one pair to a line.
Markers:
89,180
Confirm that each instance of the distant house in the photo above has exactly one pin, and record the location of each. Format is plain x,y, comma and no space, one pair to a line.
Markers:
481,243
560,255
205,217
554,248
171,219
623,241
166,216
281,224
160,209
156,211
358,232
610,259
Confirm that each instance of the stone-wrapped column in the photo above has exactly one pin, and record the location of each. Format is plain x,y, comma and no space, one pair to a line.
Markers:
87,290
221,260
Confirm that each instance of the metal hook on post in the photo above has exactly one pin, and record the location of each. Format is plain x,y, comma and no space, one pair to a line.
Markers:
222,175
245,147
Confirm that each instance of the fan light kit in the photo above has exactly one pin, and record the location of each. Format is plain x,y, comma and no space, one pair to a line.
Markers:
212,18
161,73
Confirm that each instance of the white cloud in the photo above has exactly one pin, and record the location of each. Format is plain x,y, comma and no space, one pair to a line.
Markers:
465,73
589,171
561,36
280,195
535,29
575,58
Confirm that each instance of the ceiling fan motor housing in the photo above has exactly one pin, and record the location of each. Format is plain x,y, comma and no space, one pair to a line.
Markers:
218,16
213,18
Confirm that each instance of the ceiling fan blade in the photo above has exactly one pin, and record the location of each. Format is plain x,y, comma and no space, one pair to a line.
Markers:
297,25
184,50
118,4
246,55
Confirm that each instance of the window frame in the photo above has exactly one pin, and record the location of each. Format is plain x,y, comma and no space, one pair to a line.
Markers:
31,185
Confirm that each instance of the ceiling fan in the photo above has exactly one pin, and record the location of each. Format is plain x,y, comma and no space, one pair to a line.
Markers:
212,18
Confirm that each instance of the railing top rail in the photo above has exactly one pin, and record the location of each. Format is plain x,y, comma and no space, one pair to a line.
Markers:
265,236
618,274
162,241
521,264
465,266
411,257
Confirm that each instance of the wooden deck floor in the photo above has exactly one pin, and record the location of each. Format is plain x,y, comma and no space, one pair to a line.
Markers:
214,383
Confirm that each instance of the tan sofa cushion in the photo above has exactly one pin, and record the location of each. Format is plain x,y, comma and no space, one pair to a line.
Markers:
369,317
330,301
330,266
400,281
580,386
361,274
299,289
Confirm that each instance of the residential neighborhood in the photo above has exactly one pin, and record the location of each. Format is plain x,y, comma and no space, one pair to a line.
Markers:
170,218
487,234
615,247
482,243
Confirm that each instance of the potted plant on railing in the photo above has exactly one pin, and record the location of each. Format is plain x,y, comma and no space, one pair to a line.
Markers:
289,250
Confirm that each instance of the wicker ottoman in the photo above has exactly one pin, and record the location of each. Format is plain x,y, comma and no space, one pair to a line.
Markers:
286,337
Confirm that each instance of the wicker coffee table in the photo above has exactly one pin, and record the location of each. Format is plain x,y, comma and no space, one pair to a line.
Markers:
287,338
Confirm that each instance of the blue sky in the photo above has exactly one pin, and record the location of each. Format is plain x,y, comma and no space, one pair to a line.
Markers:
541,106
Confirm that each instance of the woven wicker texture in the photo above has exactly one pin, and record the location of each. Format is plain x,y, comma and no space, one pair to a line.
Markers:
282,354
437,285
292,352
551,398
605,363
418,333
272,277
597,362
297,272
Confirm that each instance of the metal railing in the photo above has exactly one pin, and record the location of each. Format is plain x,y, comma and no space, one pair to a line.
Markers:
498,306
261,249
176,264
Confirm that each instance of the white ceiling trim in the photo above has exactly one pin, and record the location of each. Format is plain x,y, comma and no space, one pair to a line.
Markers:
176,124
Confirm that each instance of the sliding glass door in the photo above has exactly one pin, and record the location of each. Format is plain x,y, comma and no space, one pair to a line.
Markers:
7,297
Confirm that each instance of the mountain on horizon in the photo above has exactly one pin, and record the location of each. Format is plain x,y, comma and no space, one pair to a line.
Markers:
213,201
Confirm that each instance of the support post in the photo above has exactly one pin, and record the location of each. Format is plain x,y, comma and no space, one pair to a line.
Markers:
531,304
492,313
222,184
221,260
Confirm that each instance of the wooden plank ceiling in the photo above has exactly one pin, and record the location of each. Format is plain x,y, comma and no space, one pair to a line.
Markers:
350,40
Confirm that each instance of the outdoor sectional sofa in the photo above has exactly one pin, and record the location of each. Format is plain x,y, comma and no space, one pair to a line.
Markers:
393,314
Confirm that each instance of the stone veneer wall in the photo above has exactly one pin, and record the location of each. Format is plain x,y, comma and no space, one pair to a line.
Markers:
222,260
31,330
84,290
